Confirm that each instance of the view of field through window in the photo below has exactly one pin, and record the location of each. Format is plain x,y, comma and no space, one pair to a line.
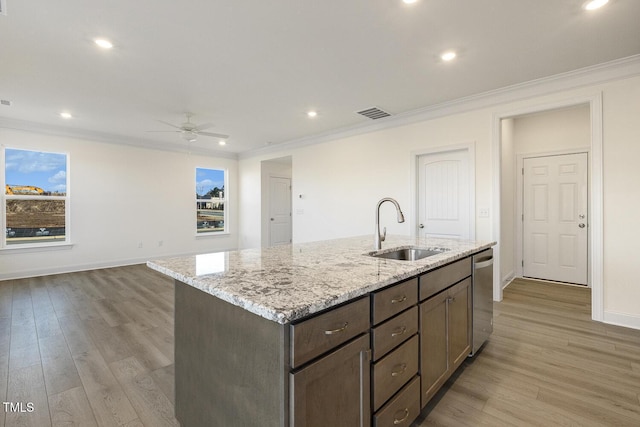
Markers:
210,200
35,197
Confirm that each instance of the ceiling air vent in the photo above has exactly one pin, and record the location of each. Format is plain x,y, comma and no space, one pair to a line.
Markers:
3,7
5,102
374,113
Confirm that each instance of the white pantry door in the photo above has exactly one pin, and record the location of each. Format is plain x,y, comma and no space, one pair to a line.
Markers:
444,205
555,218
279,211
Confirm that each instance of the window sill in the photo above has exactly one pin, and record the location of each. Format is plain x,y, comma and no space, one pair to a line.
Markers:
20,249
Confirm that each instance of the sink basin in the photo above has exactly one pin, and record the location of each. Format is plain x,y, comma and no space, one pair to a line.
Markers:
407,254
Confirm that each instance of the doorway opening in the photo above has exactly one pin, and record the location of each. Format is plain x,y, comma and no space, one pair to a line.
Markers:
548,133
276,179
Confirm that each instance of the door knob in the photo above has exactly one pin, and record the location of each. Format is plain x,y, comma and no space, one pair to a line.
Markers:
421,226
581,225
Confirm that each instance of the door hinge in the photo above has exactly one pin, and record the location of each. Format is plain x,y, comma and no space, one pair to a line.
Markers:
522,171
523,263
522,217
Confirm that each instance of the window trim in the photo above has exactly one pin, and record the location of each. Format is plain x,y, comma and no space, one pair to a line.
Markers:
28,247
225,200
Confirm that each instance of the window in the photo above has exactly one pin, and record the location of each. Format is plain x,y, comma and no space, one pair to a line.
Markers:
211,212
36,198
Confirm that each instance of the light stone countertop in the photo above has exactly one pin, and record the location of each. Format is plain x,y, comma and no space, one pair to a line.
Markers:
286,283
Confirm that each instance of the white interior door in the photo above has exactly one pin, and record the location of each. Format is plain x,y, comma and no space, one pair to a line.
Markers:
555,218
444,195
279,211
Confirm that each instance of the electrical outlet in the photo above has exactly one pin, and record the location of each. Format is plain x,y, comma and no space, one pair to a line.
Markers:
160,242
484,213
140,245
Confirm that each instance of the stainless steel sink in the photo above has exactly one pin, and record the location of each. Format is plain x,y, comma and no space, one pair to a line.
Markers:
407,254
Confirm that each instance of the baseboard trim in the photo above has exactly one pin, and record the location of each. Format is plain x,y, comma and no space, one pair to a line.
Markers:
622,319
507,279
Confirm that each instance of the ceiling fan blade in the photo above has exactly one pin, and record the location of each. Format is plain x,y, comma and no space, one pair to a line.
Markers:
169,124
171,131
216,135
203,126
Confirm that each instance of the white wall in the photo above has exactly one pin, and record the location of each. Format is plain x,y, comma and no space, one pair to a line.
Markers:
342,179
563,129
621,110
121,196
507,203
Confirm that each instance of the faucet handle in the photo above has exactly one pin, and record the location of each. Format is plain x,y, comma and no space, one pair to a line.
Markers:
384,234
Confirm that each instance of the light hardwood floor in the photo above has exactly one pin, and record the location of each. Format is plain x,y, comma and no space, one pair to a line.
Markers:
546,364
96,349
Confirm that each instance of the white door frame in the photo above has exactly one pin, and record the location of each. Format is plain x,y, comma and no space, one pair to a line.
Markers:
520,202
596,223
470,148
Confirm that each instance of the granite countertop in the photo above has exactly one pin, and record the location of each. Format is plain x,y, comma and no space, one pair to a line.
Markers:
286,283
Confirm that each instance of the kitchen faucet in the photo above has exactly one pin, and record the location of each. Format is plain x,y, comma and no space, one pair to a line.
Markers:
379,238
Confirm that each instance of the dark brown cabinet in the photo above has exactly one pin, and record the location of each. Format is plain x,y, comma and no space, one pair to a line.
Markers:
445,329
334,390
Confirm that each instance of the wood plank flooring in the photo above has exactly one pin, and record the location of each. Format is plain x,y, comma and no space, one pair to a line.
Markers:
546,364
96,349
88,349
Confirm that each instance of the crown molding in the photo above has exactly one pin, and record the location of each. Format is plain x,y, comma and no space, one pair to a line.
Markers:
60,131
596,74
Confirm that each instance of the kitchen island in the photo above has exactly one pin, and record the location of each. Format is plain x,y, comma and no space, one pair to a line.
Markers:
257,330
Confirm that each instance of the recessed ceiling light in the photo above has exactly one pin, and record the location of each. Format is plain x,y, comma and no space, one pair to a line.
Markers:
104,43
66,115
222,142
409,1
448,56
312,113
595,4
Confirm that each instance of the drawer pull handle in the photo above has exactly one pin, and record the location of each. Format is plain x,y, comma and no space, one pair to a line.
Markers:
397,300
337,331
397,421
399,331
403,367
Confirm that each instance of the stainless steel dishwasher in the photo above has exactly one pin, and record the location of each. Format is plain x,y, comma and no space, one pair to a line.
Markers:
482,298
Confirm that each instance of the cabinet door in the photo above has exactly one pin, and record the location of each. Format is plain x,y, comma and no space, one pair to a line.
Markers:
434,364
459,323
334,390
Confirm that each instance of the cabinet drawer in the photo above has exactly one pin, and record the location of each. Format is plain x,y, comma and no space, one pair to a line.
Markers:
402,409
393,332
312,337
434,281
393,300
393,371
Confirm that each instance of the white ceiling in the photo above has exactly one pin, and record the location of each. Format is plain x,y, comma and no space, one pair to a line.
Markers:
254,67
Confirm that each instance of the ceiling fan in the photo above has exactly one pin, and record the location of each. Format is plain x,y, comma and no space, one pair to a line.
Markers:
190,131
